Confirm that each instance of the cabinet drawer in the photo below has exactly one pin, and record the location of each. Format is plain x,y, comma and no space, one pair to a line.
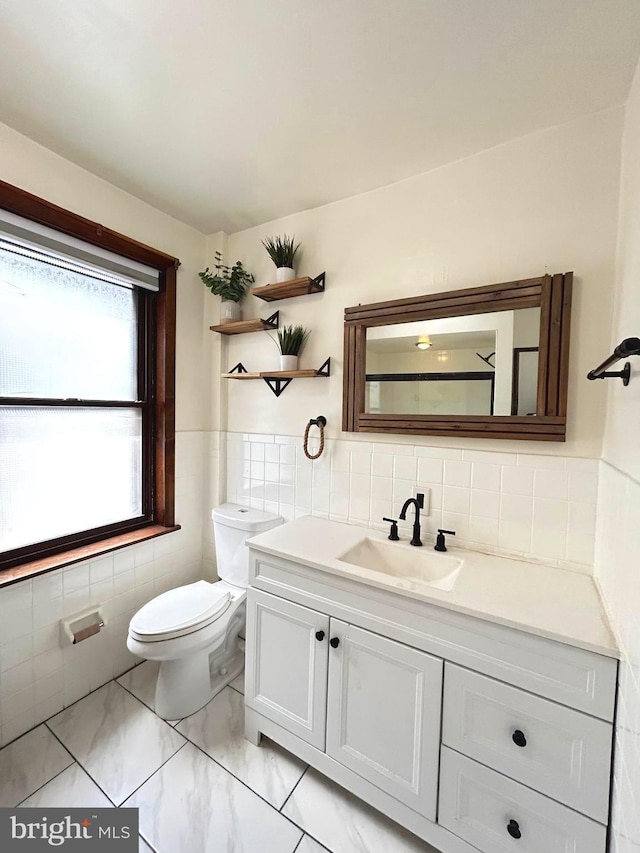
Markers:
498,815
560,752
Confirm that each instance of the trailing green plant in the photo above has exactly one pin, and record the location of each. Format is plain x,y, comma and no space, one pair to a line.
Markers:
230,283
281,250
291,339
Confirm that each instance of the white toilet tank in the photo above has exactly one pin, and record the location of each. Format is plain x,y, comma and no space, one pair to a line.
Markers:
232,526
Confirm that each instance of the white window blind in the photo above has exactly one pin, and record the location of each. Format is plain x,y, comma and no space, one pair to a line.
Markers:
68,333
23,236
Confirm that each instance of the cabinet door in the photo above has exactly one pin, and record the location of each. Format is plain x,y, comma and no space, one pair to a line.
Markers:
383,719
286,665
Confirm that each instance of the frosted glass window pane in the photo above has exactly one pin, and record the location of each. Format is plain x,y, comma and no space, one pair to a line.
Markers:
64,334
64,470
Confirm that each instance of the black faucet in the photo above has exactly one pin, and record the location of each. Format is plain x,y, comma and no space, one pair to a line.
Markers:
418,503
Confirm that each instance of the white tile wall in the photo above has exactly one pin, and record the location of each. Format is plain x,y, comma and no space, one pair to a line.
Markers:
39,675
617,570
535,506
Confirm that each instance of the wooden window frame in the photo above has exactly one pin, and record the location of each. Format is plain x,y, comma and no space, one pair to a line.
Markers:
156,332
550,293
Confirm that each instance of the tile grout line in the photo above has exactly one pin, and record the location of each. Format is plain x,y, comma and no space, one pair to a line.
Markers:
75,760
131,693
293,789
81,766
244,784
225,769
305,832
113,680
40,787
151,775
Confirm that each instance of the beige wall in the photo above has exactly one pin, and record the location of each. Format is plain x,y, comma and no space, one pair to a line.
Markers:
543,203
617,552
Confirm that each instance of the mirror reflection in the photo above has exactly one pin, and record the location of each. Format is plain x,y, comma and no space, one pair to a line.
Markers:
476,364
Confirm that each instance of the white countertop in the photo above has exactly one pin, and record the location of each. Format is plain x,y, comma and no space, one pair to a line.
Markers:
543,600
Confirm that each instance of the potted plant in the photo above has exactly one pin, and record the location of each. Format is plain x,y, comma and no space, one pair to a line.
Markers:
282,252
291,339
230,284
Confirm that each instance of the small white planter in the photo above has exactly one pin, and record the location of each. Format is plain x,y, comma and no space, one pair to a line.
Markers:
288,362
229,312
284,274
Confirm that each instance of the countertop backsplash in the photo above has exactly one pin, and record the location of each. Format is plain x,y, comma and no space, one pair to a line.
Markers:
535,507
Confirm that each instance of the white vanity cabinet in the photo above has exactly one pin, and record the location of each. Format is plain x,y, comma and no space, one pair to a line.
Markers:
474,735
380,700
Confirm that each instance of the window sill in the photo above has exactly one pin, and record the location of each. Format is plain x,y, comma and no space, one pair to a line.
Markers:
77,555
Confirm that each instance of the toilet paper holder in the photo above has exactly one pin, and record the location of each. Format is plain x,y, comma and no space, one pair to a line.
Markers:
81,626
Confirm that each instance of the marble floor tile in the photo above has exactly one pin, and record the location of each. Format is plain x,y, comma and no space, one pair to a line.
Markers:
28,763
308,845
238,683
192,805
143,846
218,729
345,824
141,681
70,789
116,739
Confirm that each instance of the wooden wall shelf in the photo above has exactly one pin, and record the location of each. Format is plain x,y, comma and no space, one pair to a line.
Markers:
287,289
243,327
278,380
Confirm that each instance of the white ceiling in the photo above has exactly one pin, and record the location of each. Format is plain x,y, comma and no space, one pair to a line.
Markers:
446,341
228,113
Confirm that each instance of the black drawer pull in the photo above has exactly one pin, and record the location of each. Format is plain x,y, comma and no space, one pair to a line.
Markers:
319,636
334,642
514,829
518,738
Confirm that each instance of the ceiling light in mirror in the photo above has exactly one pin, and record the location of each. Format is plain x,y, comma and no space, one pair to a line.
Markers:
424,342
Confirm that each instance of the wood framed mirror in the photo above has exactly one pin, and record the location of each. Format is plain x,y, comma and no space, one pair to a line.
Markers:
484,362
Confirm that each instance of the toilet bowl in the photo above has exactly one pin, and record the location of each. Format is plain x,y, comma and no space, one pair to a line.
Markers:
193,629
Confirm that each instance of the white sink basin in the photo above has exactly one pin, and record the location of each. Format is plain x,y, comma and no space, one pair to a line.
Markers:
405,562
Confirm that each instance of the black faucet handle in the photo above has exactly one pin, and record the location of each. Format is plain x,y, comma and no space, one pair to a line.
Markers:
441,544
393,533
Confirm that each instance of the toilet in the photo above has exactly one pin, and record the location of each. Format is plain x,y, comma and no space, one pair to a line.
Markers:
193,630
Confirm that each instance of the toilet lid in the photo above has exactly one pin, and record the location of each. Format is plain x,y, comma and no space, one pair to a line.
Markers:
181,610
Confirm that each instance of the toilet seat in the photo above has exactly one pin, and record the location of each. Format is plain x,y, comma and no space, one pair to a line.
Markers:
180,611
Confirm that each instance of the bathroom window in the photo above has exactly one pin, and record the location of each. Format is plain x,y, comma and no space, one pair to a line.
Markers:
86,383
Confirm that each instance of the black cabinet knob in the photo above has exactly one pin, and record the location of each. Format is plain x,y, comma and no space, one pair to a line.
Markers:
334,642
513,829
518,738
319,636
